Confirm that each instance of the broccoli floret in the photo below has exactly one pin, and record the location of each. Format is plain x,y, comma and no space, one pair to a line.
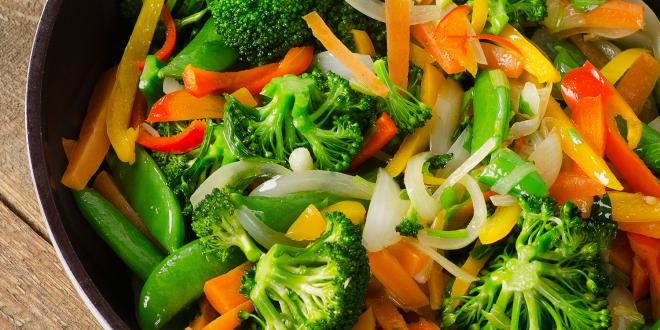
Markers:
343,19
216,225
409,226
185,172
551,276
298,114
407,112
501,12
321,286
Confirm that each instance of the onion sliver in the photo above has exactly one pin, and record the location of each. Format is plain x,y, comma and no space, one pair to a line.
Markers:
449,266
171,85
503,200
150,129
426,206
237,172
460,155
467,166
385,212
375,9
478,219
538,102
301,160
445,116
332,182
547,157
328,62
260,232
655,124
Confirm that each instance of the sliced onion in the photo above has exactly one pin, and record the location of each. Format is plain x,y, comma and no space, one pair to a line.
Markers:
547,157
655,124
503,200
538,101
260,232
375,9
467,166
426,206
332,182
171,85
446,264
385,212
623,309
234,173
445,116
460,155
152,131
507,182
478,219
649,37
476,46
301,160
565,21
328,62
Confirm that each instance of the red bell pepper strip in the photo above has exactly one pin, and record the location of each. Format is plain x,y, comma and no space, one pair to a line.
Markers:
424,34
647,249
628,164
170,37
183,142
201,82
180,105
385,131
589,118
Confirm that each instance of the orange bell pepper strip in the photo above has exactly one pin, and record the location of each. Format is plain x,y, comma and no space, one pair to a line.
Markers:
577,188
451,33
397,22
627,207
366,321
385,131
647,249
122,136
589,118
639,279
222,291
649,229
206,315
387,315
363,44
638,82
425,35
423,324
411,259
244,96
363,75
396,280
473,267
230,320
507,60
183,142
93,142
295,62
579,151
536,63
180,105
628,164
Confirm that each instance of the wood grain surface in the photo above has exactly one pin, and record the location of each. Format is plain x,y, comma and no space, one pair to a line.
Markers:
34,291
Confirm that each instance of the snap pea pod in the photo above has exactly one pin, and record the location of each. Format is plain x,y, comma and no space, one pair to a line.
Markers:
145,187
151,85
503,162
491,108
648,148
178,281
129,244
206,50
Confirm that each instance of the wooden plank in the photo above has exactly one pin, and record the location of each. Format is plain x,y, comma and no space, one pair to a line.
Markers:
18,21
34,291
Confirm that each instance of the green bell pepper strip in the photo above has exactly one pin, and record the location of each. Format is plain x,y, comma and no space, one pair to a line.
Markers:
151,85
502,163
179,281
129,244
491,108
205,51
145,187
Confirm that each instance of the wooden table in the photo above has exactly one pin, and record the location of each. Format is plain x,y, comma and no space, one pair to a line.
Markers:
35,293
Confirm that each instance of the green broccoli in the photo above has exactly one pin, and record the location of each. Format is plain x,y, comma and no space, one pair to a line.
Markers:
298,113
551,276
185,172
321,286
216,225
409,226
407,112
343,19
501,12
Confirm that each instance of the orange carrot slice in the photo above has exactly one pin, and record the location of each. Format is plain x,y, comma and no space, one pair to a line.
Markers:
397,20
222,291
397,282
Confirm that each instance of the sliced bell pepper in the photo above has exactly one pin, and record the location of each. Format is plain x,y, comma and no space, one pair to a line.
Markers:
353,210
387,315
640,80
414,261
647,249
649,229
479,15
471,266
617,66
589,118
180,105
627,207
122,137
507,60
536,63
183,142
309,225
577,188
385,131
231,319
366,321
396,280
424,34
419,56
452,36
436,284
397,22
613,16
139,111
499,224
639,279
423,324
363,44
93,142
170,35
206,315
244,96
579,150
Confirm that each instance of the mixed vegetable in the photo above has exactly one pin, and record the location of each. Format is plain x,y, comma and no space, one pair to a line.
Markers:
370,164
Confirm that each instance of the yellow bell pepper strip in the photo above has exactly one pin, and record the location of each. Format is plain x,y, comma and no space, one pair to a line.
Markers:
353,210
471,266
363,75
122,136
366,321
419,56
244,96
89,152
536,63
479,15
649,229
433,180
629,207
579,150
616,67
180,105
638,83
397,22
499,224
396,280
363,44
436,284
309,225
417,142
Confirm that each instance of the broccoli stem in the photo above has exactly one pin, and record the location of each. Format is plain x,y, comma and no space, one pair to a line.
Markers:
515,310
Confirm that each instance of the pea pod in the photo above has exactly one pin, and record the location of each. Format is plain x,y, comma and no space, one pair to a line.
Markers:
205,51
491,108
503,163
151,85
178,281
129,244
145,187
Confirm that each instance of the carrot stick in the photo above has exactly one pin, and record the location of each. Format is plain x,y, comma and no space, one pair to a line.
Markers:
244,96
387,315
222,291
367,321
639,279
200,82
649,229
410,258
230,320
397,282
437,281
385,131
207,315
647,249
638,83
397,20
